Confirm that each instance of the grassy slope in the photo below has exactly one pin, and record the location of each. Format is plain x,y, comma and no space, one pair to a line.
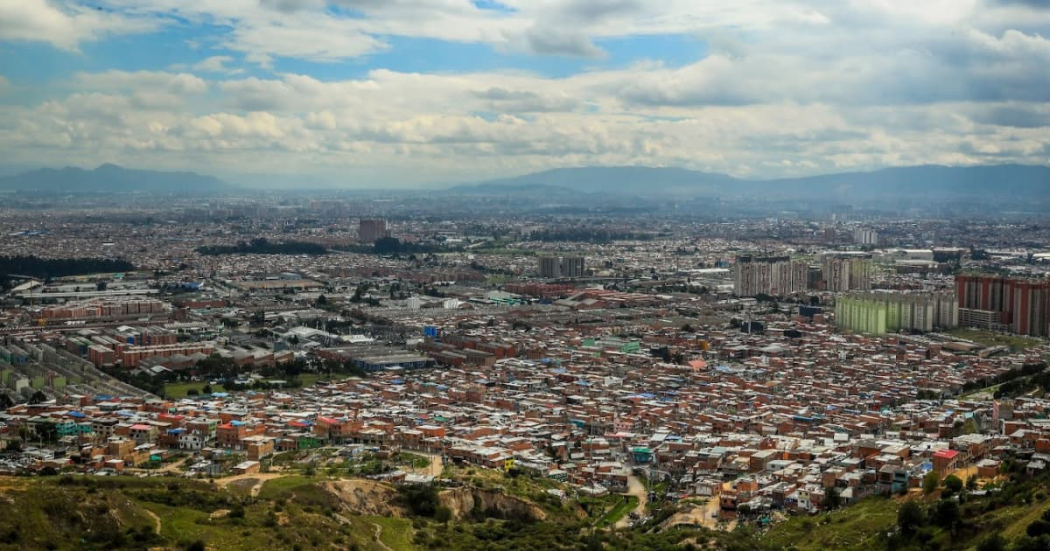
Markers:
175,391
294,512
618,511
115,513
991,338
855,527
863,526
397,532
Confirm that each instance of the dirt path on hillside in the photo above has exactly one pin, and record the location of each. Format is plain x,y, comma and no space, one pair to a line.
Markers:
165,469
260,478
378,535
706,515
435,468
156,520
637,489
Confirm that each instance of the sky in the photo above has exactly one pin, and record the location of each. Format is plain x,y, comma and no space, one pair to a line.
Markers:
371,93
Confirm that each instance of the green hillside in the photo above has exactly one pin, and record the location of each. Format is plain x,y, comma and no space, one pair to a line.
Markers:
489,511
1001,520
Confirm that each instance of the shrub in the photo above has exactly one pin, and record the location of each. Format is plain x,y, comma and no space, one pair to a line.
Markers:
995,542
953,484
930,482
910,518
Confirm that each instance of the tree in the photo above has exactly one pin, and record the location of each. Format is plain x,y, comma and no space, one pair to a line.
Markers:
930,482
38,397
946,514
206,389
910,518
971,482
1025,543
443,514
192,392
196,546
832,499
953,484
1041,526
994,542
322,300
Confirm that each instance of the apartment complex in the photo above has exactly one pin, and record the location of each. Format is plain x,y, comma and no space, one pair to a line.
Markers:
561,266
370,230
1020,306
770,275
842,274
881,313
865,236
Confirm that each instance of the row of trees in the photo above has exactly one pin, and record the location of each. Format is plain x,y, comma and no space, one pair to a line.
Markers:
261,245
1012,380
46,268
587,235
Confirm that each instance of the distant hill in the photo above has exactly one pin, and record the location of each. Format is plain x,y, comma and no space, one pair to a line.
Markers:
916,181
510,188
627,180
111,178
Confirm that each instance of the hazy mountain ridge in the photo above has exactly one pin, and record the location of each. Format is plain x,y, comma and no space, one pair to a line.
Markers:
111,178
925,180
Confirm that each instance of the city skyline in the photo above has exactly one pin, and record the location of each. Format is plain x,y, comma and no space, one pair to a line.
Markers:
368,94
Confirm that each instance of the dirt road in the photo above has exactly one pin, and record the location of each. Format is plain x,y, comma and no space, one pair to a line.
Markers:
637,489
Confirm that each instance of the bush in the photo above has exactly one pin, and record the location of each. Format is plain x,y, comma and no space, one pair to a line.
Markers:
1038,528
421,500
953,484
946,514
930,483
910,518
995,542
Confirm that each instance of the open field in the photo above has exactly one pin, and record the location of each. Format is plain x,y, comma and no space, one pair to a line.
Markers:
991,338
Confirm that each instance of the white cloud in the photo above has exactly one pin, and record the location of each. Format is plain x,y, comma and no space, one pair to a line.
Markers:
178,83
64,26
213,64
786,87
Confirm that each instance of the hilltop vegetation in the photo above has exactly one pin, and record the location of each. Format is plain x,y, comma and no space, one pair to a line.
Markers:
299,512
306,511
1013,516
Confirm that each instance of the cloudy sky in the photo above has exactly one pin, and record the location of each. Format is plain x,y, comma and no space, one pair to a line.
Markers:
407,92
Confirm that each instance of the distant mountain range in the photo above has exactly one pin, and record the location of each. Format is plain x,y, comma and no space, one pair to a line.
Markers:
588,184
917,181
111,178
